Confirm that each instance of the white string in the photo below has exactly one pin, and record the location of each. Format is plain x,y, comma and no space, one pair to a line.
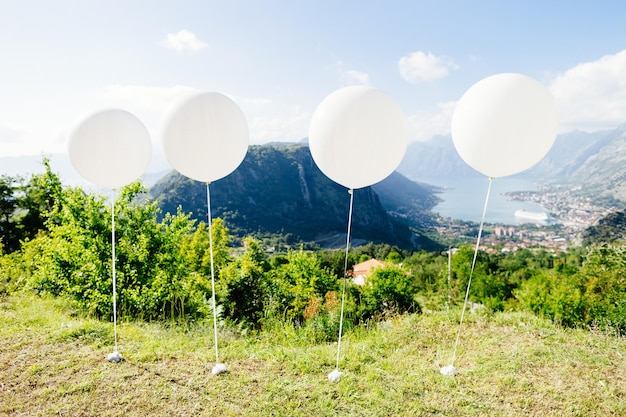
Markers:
449,274
208,201
345,276
469,282
113,267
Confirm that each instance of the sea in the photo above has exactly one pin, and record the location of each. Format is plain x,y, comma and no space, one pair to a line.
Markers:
464,199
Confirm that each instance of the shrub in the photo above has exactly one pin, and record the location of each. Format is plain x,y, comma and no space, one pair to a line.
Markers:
242,286
388,290
553,296
296,287
602,280
155,277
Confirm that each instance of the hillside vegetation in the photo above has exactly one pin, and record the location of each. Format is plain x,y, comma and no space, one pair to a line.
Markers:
545,336
279,190
510,364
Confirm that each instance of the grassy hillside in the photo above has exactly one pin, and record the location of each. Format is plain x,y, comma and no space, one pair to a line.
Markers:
511,364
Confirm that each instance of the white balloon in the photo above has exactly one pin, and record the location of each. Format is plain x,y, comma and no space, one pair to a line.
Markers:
504,124
205,137
358,136
110,148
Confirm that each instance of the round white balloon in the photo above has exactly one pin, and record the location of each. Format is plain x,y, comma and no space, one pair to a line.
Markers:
358,136
504,124
111,148
205,137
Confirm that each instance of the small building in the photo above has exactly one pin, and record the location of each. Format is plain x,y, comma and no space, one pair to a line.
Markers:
363,269
501,231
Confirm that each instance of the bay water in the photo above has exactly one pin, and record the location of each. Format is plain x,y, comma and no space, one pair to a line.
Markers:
464,198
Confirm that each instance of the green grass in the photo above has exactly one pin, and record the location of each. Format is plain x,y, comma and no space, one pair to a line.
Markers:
52,362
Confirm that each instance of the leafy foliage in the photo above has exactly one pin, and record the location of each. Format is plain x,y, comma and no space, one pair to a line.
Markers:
280,191
300,281
242,285
603,285
388,291
610,228
164,269
25,206
554,296
593,296
155,278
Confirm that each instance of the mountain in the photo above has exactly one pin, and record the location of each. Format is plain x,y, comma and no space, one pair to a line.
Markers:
602,169
595,163
280,190
434,158
407,199
567,155
610,228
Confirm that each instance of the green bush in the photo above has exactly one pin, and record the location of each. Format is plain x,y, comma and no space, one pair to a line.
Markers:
161,267
593,296
388,290
12,273
602,280
299,281
554,296
242,286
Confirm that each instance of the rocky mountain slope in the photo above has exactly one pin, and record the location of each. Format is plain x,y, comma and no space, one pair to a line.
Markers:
278,189
593,162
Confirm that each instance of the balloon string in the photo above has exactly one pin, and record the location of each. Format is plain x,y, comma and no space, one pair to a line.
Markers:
113,268
208,201
345,276
469,282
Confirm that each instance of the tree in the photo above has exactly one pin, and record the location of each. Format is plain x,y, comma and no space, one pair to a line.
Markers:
25,206
154,279
241,286
299,280
8,206
429,271
602,280
195,248
388,290
74,257
40,194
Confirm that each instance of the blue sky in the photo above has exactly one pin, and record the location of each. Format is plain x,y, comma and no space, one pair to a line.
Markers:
278,59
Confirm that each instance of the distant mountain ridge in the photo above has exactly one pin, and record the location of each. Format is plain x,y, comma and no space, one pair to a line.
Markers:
434,158
279,189
611,228
595,162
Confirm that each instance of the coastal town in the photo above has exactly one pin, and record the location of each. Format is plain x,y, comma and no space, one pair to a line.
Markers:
566,216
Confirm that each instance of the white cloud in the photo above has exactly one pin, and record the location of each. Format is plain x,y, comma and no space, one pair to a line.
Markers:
357,76
592,95
253,101
351,76
183,41
10,133
265,129
272,121
424,125
421,66
142,97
